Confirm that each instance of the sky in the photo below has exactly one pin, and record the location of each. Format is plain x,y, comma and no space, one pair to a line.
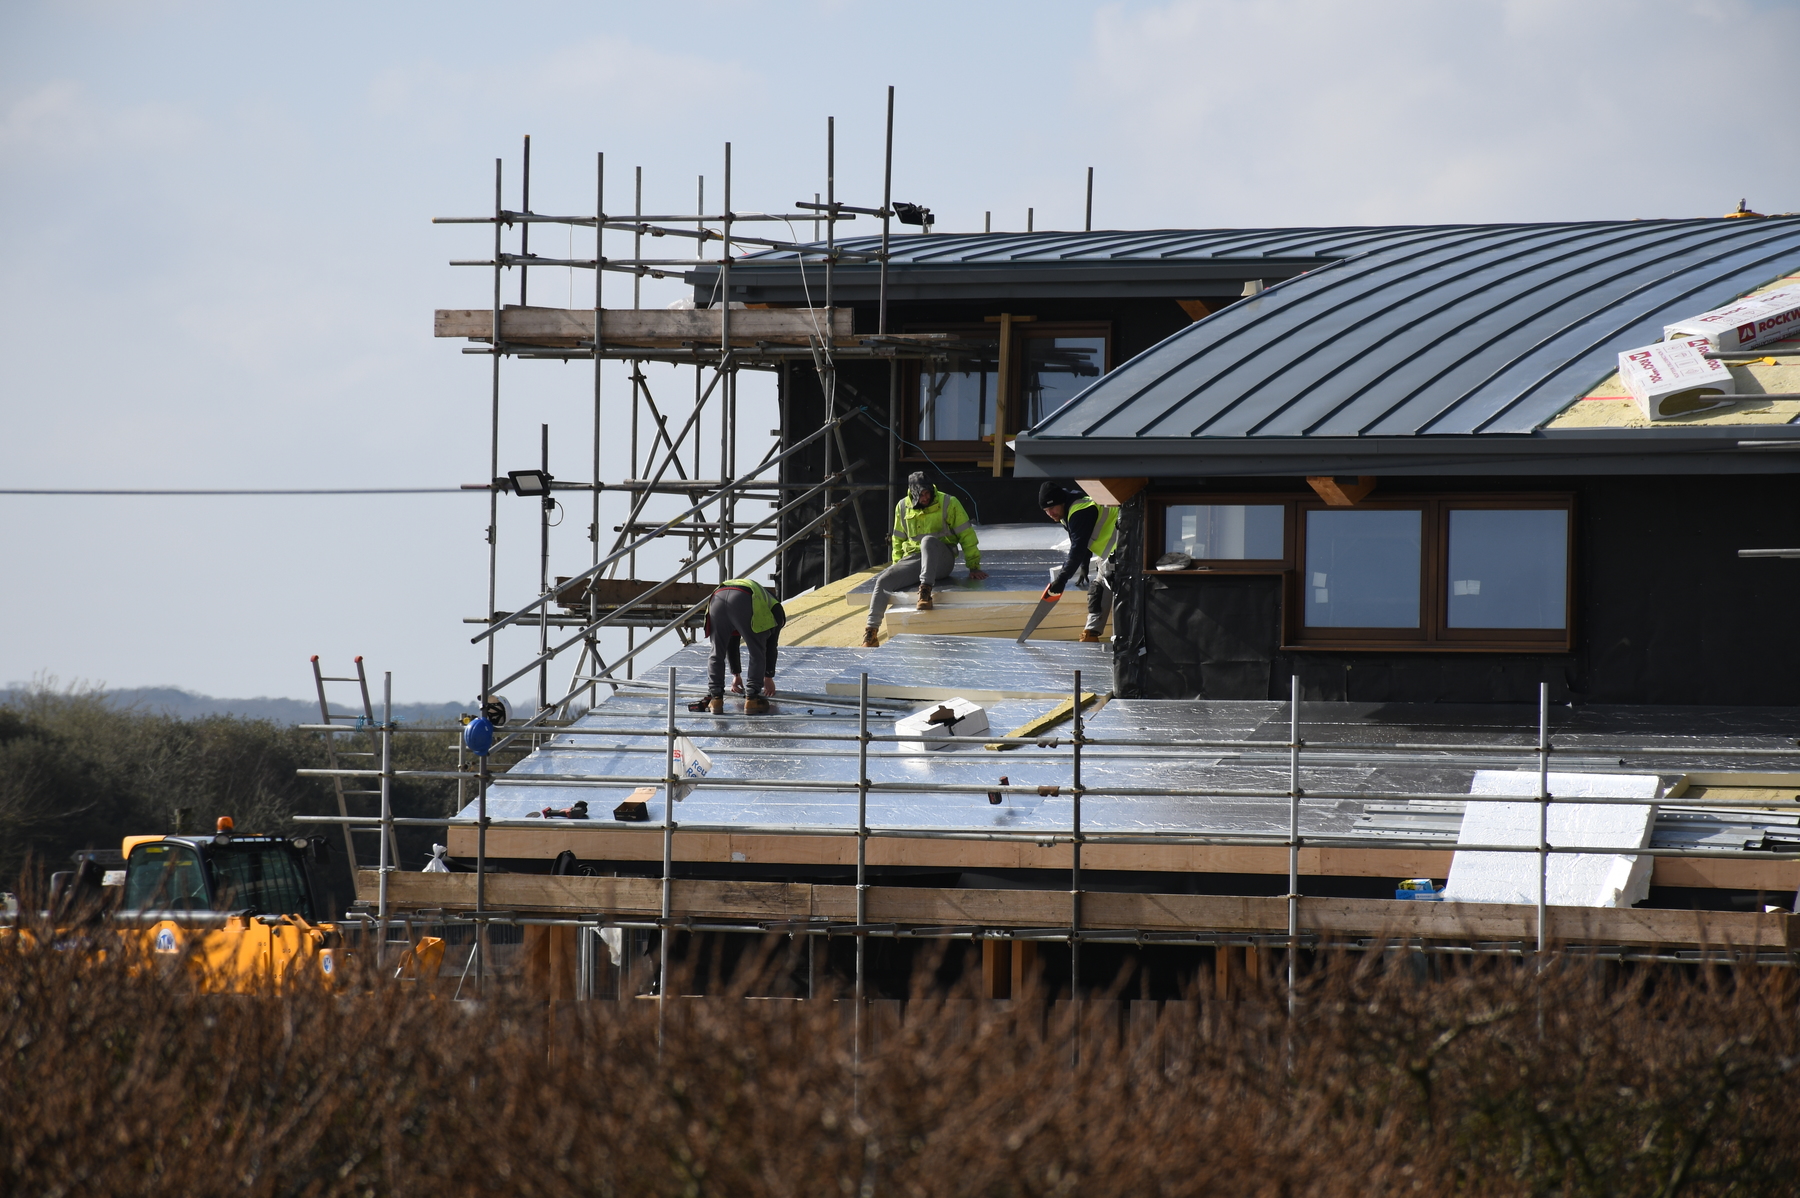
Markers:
219,266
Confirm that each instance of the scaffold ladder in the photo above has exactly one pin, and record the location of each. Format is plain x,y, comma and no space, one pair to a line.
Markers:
350,721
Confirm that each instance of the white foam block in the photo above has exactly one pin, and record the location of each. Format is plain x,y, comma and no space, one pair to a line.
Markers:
1575,879
970,719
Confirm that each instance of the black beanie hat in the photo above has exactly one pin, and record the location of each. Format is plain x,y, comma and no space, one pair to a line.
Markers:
1052,493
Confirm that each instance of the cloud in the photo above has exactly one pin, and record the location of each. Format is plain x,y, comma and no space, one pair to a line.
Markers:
58,122
606,80
1301,111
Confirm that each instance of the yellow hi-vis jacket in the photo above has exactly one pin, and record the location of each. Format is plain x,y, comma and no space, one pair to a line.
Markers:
943,517
1105,526
763,608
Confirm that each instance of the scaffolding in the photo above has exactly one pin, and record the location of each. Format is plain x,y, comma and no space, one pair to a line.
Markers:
665,462
1766,938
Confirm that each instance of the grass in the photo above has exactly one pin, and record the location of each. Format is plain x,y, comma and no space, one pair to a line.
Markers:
1485,1078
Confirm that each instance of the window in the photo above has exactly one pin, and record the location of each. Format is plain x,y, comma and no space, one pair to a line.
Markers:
1056,369
261,878
1462,572
956,397
1362,568
165,877
952,401
1226,531
1508,569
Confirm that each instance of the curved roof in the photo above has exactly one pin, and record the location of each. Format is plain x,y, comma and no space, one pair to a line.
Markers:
1448,331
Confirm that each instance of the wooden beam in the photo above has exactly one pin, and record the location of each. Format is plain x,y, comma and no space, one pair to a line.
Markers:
1342,490
1112,491
609,841
654,328
605,840
1199,913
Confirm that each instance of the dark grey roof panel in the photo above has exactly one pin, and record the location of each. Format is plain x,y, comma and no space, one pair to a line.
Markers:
1459,329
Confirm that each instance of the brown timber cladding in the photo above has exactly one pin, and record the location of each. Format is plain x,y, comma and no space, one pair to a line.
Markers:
937,907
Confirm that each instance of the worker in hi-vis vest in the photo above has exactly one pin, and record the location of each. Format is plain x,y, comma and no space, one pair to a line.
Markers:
1093,531
742,610
929,527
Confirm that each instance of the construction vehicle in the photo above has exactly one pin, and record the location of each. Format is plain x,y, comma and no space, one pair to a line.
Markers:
239,910
239,913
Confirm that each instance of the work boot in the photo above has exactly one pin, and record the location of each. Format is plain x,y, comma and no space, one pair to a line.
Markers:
715,704
1089,636
925,596
869,639
756,705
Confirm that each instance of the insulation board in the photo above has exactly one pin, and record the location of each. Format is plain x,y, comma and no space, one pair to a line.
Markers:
1573,879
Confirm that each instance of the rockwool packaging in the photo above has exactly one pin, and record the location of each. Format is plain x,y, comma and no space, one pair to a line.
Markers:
1749,322
1674,378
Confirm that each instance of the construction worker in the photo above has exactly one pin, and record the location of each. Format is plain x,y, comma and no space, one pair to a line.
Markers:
929,526
1092,534
742,610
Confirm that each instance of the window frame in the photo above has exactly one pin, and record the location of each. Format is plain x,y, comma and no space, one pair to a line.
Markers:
1434,633
916,449
1156,540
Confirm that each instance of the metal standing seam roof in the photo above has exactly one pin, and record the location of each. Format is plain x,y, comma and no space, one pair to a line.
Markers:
961,250
1119,262
1447,331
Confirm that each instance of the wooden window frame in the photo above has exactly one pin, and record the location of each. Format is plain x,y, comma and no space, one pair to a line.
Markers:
1434,633
1155,540
913,449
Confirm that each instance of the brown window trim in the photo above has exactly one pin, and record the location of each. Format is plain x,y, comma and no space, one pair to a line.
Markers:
1434,633
983,451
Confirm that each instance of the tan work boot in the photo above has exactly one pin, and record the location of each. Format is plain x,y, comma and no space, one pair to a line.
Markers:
925,596
1091,638
716,705
756,705
869,641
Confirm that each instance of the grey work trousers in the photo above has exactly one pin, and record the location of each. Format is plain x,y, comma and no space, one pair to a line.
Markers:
730,613
938,560
1099,597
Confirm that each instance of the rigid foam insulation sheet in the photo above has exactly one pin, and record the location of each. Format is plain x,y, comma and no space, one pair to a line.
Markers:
1573,879
800,757
984,669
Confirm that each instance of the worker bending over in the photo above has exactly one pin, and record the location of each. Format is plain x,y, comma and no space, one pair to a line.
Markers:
928,528
742,610
1091,535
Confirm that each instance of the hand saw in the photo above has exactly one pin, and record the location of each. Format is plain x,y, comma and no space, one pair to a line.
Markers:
1038,613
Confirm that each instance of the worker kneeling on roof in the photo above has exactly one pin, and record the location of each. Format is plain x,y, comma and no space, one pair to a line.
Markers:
1092,530
929,526
742,611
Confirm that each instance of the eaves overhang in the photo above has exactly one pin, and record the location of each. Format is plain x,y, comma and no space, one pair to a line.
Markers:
1691,450
783,283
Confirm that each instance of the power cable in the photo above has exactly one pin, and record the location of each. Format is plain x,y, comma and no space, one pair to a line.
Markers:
285,491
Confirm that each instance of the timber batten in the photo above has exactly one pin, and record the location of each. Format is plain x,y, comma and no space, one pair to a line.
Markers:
1102,911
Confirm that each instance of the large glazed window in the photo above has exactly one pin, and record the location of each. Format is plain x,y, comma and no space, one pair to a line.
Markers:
1056,370
1226,531
1507,568
956,398
1362,568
